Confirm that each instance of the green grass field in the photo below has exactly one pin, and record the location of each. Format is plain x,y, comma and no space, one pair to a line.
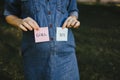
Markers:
97,42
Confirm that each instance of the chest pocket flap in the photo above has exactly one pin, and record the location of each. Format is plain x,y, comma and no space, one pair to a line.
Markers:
62,5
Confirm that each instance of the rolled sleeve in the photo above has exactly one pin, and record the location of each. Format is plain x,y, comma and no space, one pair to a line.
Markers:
12,7
72,9
74,13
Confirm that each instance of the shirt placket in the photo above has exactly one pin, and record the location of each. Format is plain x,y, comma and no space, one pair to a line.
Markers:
52,32
51,28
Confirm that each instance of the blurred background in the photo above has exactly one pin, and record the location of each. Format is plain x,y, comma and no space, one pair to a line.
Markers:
97,40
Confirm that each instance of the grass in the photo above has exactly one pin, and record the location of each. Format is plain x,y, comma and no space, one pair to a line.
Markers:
97,43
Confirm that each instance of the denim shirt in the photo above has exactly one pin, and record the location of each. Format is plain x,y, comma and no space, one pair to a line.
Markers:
52,60
47,13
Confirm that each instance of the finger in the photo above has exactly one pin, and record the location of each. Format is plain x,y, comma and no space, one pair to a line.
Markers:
77,24
73,23
31,24
23,28
25,24
69,23
64,25
34,23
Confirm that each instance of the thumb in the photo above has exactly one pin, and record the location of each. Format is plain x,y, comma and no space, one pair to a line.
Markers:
65,24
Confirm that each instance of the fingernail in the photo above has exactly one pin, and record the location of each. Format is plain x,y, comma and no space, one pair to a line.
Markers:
37,28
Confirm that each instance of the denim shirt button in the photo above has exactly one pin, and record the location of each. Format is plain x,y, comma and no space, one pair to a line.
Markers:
49,12
51,39
50,25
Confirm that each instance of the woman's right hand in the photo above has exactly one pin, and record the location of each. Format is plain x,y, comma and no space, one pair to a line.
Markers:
27,24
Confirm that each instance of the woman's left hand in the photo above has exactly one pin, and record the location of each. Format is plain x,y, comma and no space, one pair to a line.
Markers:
71,22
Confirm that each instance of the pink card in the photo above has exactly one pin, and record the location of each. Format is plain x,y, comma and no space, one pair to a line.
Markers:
41,35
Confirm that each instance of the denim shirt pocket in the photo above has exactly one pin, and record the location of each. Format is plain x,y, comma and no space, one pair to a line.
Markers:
37,5
61,6
26,7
